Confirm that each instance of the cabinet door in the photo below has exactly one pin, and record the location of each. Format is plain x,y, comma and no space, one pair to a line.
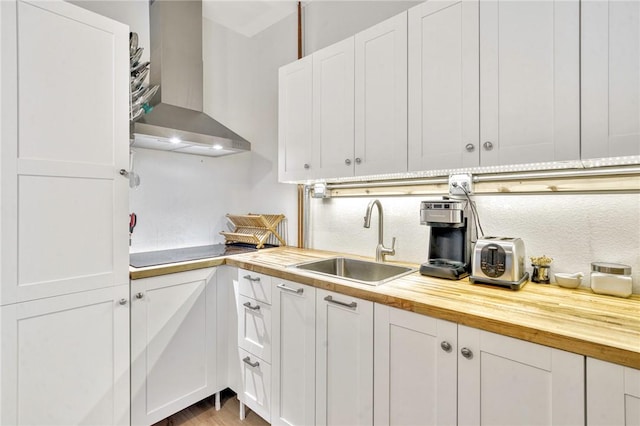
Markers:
443,85
295,103
254,327
610,85
64,130
344,363
254,285
65,359
381,98
613,394
529,81
415,369
256,384
333,117
507,381
294,354
228,365
172,343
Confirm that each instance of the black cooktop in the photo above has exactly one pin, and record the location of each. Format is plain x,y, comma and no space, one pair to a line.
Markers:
162,257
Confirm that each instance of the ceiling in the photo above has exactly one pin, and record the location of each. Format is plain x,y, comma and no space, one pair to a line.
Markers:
247,17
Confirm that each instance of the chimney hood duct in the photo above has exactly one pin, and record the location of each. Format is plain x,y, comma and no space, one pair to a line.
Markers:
177,122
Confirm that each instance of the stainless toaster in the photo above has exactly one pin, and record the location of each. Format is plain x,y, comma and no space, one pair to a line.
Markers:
499,261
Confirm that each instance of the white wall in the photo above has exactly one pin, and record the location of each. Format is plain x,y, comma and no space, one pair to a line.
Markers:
182,199
327,22
241,91
573,229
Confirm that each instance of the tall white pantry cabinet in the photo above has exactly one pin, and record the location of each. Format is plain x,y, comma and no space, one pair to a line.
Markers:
63,216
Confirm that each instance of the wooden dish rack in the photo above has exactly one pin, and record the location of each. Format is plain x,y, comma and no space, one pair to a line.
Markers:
254,229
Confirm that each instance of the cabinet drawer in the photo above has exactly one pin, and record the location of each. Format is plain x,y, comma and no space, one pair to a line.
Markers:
254,327
256,384
254,285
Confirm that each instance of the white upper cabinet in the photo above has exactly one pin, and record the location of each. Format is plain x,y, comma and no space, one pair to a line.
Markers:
295,116
381,98
610,53
525,106
506,381
529,81
443,85
64,127
343,109
333,114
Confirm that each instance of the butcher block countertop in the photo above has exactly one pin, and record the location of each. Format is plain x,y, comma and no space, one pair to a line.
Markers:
575,320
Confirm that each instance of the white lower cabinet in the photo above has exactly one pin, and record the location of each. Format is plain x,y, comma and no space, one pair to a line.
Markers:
344,360
507,381
433,372
253,303
294,354
256,383
173,343
613,394
415,369
65,359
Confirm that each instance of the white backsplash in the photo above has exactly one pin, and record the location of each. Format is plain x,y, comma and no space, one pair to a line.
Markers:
182,199
574,229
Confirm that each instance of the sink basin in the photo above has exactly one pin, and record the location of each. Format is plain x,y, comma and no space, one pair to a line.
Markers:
362,271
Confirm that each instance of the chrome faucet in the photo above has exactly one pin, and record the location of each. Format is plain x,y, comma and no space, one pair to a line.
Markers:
381,250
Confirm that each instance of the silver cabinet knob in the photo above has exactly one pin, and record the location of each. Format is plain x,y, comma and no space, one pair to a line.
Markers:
470,147
446,346
347,162
307,166
466,352
139,295
358,160
122,302
124,173
488,145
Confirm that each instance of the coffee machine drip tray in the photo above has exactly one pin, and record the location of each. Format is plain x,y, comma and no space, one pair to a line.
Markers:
445,268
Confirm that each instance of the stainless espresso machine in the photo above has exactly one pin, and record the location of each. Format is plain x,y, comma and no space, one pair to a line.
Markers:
449,239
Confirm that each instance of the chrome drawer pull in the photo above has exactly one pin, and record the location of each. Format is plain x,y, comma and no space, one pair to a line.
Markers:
292,290
253,308
247,361
351,305
250,278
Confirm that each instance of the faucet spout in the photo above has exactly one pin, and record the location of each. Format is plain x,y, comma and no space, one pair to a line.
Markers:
381,250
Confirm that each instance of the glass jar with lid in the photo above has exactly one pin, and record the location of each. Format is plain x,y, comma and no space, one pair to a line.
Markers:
611,278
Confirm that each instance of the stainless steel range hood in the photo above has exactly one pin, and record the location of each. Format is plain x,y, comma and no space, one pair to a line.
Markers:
177,122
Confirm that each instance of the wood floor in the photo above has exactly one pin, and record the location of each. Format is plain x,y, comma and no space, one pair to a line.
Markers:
204,413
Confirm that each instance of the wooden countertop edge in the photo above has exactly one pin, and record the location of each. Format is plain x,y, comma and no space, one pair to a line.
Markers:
154,271
558,340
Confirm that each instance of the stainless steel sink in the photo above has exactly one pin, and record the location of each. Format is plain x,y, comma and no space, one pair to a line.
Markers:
362,271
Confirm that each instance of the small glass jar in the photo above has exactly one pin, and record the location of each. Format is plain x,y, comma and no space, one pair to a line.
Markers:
611,278
540,274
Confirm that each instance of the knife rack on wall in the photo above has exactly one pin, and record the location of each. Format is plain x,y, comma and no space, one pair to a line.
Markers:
254,229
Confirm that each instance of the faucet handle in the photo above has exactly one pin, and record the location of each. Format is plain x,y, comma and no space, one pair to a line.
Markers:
393,244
